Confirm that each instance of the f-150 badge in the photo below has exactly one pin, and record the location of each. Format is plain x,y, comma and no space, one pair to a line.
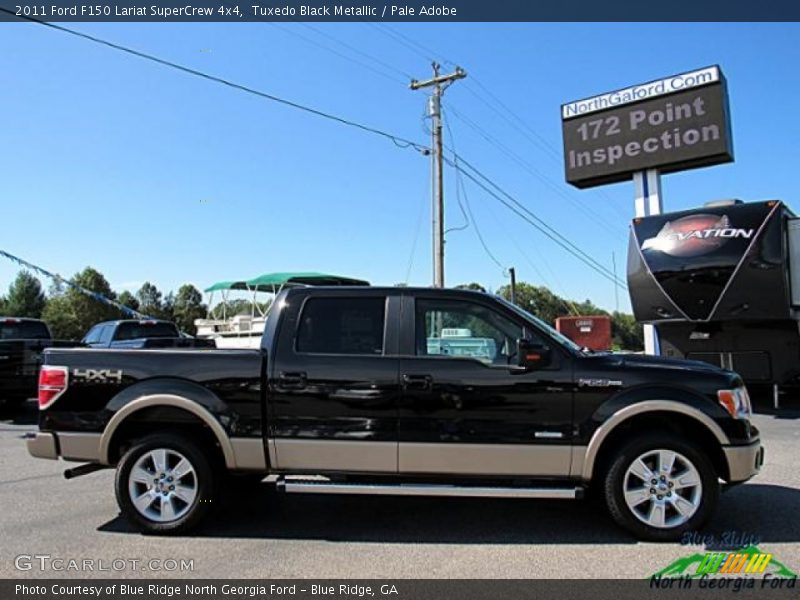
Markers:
599,382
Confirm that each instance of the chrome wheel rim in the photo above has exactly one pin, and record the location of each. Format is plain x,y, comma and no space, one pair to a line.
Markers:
162,485
662,488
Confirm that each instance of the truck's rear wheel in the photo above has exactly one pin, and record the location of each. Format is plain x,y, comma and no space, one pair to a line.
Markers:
660,486
165,484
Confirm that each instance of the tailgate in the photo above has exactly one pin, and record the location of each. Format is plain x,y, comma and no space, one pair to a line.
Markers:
20,357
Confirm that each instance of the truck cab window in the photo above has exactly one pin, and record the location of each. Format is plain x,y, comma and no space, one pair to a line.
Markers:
106,331
14,329
465,329
93,336
342,326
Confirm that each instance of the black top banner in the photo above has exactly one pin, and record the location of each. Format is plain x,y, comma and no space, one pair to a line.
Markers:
413,11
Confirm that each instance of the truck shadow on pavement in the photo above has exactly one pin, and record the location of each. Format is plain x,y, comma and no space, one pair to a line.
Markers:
261,512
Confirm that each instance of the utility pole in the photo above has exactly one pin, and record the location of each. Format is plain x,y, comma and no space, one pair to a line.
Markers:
513,273
616,287
439,83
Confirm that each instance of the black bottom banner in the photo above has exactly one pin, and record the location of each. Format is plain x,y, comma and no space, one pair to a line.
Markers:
400,589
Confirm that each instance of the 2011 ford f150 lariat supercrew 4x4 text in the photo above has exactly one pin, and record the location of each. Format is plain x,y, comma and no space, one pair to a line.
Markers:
402,391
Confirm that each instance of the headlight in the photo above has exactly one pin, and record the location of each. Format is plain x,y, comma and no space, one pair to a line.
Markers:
736,402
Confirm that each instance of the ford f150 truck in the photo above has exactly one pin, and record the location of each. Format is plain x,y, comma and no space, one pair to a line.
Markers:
22,341
142,333
371,390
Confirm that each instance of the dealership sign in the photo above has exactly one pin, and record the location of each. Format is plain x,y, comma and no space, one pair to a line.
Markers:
680,122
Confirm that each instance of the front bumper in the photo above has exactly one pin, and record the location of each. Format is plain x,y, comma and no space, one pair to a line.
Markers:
744,461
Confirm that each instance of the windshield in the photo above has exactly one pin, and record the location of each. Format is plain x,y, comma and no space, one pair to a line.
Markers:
551,331
11,329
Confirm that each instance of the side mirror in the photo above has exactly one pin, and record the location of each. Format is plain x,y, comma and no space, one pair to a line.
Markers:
532,355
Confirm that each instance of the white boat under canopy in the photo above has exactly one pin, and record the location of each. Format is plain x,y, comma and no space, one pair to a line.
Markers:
244,328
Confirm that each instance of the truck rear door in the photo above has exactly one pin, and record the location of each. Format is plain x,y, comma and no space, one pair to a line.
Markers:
334,384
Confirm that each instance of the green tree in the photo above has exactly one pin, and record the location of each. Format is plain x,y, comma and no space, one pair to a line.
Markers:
538,300
25,297
471,286
129,300
149,298
70,313
188,306
168,307
626,332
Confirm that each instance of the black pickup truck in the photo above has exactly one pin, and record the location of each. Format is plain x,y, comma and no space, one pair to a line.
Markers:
140,334
409,391
22,341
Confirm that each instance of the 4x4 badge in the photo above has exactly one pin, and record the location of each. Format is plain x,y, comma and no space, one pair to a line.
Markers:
97,375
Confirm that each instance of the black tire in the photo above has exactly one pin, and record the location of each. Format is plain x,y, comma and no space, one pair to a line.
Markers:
204,479
616,478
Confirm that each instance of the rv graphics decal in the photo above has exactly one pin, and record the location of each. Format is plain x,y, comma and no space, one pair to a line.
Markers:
695,235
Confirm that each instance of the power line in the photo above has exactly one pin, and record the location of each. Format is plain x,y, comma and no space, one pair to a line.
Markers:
568,304
493,189
527,166
327,48
415,47
461,188
546,228
515,121
397,140
355,50
493,102
413,253
527,131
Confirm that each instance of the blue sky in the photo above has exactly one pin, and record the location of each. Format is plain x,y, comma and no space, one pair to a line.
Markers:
149,174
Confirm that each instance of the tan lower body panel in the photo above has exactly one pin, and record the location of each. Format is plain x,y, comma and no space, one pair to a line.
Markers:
336,455
389,457
79,446
578,458
486,459
248,454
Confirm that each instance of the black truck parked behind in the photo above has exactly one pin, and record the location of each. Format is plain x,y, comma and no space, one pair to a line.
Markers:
140,334
21,344
402,391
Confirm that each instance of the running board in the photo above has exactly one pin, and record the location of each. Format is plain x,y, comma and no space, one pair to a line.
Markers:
308,486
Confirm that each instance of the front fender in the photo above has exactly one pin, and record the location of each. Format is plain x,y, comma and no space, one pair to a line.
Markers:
642,393
621,407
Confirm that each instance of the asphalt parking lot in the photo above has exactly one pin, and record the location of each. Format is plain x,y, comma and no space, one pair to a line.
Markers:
266,535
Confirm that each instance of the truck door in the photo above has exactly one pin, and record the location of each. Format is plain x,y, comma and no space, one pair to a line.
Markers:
464,410
334,384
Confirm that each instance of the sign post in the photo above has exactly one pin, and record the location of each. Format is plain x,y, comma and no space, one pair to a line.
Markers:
648,202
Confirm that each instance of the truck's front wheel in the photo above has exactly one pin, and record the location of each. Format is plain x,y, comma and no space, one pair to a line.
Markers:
660,486
165,484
